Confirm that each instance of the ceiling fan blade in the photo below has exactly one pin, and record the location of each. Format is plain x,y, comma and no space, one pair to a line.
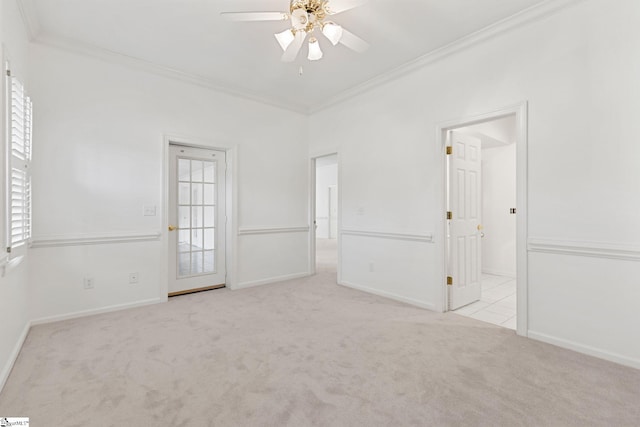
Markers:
295,46
353,42
337,6
255,16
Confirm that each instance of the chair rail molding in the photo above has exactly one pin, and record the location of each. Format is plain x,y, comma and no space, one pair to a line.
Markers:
585,248
248,231
93,239
417,237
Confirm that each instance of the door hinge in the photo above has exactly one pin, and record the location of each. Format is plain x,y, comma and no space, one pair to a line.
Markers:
449,150
449,215
449,280
8,73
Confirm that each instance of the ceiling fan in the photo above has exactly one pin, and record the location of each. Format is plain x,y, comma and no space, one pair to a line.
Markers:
305,17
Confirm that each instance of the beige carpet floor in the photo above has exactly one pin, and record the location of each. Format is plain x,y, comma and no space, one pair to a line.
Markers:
306,353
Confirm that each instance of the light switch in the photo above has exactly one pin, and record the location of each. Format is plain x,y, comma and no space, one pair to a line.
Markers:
149,211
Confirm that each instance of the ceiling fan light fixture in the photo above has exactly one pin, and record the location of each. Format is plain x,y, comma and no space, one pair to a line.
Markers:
299,19
333,32
315,53
285,38
307,16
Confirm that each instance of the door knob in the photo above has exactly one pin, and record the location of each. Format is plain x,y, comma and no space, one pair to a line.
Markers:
172,227
480,227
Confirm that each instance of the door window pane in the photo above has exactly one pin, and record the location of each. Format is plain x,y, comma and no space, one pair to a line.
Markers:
209,262
209,216
196,238
184,215
196,263
209,238
184,241
209,194
196,171
209,172
196,217
196,192
184,264
184,190
184,169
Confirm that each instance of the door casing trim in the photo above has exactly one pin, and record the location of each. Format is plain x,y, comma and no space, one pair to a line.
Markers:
231,208
312,211
520,111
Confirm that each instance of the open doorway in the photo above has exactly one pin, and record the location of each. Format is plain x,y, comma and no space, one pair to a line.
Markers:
326,213
481,220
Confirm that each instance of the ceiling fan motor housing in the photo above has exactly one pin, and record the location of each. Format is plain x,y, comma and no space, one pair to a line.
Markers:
306,14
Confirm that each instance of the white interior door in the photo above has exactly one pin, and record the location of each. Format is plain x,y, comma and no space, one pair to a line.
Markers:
333,211
196,219
465,191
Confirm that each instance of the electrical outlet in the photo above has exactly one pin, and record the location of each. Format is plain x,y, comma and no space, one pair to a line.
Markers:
133,278
89,283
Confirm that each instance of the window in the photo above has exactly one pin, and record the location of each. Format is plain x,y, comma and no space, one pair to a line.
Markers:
19,114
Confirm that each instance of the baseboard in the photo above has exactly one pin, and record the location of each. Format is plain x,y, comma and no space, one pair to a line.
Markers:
251,284
585,349
499,272
411,301
6,370
84,313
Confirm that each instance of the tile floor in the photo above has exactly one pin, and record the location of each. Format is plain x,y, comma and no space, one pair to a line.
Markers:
497,304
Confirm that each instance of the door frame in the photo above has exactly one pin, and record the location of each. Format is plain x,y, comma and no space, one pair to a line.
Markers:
312,211
231,228
520,111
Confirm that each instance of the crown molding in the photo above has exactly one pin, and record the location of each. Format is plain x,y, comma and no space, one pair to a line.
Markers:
78,47
36,35
502,27
29,18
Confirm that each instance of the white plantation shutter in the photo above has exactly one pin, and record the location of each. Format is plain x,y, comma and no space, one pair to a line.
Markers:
19,156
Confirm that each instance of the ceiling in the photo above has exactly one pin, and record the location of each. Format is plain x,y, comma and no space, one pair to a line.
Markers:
190,37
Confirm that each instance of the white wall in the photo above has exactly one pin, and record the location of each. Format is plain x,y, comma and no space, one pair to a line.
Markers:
98,159
326,175
498,197
577,69
13,285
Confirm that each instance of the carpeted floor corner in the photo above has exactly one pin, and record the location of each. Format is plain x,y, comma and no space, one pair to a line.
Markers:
306,352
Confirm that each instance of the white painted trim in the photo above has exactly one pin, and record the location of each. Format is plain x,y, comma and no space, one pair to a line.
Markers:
416,237
313,168
584,248
93,239
82,48
312,207
522,229
94,311
585,349
29,18
246,231
6,370
502,27
269,280
411,301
